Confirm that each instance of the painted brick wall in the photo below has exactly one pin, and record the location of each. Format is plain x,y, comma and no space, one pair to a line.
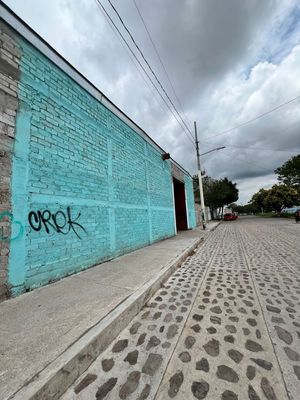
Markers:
9,75
85,186
189,192
76,153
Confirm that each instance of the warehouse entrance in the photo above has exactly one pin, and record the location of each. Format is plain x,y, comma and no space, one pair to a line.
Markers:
180,205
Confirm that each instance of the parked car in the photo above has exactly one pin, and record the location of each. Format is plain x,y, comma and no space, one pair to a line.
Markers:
230,217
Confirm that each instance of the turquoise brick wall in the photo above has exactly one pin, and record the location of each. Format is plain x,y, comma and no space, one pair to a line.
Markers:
190,202
72,153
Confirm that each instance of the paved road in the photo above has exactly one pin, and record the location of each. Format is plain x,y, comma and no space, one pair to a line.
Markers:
225,326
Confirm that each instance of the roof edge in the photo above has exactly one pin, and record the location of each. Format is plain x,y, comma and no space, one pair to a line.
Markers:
24,30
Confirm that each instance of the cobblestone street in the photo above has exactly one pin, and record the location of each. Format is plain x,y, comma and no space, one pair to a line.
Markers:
225,326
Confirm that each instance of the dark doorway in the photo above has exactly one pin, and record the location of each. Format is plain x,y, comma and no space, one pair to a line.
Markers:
180,207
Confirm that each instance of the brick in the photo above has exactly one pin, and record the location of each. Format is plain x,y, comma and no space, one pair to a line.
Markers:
80,155
8,104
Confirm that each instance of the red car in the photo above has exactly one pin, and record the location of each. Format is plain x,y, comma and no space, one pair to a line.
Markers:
230,217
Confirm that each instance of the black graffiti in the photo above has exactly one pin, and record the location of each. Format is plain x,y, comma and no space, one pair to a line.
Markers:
60,222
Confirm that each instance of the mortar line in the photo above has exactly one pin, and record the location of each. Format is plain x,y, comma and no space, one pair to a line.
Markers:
189,313
262,312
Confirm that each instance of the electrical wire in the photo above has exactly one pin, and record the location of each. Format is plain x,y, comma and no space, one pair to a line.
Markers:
160,59
258,148
98,2
149,66
246,147
250,147
162,105
248,162
185,128
253,119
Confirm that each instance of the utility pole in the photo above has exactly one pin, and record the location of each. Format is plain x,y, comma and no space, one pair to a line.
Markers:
200,177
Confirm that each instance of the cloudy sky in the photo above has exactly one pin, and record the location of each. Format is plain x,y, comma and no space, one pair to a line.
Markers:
228,62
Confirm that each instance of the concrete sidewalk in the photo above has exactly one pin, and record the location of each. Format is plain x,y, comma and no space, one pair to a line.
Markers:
50,325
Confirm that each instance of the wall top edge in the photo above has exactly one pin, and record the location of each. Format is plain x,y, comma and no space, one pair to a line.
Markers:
24,30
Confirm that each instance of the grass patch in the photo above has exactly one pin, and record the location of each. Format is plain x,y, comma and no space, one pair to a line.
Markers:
272,214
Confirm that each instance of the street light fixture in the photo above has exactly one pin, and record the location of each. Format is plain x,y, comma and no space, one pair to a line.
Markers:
210,151
202,204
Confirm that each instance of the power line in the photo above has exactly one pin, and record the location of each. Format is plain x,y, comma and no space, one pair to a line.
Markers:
248,162
251,148
101,7
98,2
132,59
160,59
254,119
149,66
246,147
258,148
244,161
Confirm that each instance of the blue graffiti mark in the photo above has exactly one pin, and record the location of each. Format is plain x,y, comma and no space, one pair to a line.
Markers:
10,217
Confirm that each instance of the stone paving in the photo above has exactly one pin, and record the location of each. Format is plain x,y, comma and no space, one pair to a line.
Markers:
276,274
224,326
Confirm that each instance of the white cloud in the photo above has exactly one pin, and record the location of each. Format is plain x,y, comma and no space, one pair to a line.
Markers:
250,186
229,61
268,85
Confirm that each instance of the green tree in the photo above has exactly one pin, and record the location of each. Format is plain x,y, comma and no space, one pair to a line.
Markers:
244,209
281,196
217,193
213,194
231,193
289,172
258,199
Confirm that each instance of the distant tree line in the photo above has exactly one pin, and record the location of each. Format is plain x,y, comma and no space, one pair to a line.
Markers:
283,195
219,193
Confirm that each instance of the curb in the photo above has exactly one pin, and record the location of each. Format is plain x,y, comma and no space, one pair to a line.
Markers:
58,375
215,227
